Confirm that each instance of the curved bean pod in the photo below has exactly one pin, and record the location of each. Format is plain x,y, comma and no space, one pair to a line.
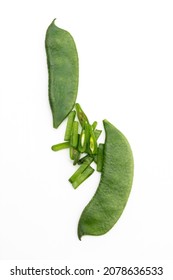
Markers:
63,69
108,203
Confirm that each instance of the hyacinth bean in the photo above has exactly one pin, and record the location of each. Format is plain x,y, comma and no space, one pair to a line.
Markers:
63,69
108,203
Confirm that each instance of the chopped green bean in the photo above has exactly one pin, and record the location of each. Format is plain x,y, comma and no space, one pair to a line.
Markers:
94,125
76,156
95,158
74,135
83,166
84,138
100,157
92,142
82,177
60,146
81,116
72,152
69,125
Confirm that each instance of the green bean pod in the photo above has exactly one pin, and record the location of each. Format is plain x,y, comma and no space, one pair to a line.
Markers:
108,203
63,70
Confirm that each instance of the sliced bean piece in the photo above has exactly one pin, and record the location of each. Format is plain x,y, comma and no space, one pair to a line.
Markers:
84,138
81,115
60,146
80,169
69,125
83,176
76,156
92,142
100,157
72,153
74,134
95,158
94,125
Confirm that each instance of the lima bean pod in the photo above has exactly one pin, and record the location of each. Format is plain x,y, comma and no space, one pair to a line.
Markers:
63,70
108,203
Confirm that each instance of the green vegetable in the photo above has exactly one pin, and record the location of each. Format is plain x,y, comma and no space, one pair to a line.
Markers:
81,169
81,115
62,61
100,157
82,177
76,156
94,125
74,134
107,205
92,142
84,138
69,126
113,158
60,146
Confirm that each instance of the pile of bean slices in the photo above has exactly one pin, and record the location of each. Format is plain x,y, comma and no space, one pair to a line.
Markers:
113,158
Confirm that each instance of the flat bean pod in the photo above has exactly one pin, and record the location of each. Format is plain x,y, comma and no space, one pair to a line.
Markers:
108,203
62,61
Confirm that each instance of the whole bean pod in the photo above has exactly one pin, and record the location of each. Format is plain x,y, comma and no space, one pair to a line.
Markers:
63,70
108,203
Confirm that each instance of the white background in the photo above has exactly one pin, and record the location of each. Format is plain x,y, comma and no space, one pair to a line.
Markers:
126,76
